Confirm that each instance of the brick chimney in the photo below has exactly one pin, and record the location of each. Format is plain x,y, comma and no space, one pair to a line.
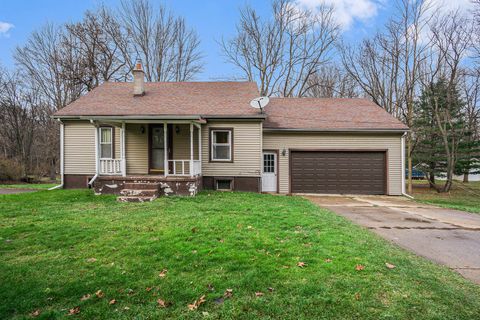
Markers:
138,79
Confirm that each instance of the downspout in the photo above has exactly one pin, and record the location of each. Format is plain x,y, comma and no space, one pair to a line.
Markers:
90,183
61,157
403,167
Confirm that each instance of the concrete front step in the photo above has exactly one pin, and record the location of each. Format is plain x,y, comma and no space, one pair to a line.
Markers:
141,185
136,198
139,192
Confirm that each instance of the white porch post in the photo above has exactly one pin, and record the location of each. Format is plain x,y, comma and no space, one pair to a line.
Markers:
200,144
191,149
62,153
97,152
165,150
122,151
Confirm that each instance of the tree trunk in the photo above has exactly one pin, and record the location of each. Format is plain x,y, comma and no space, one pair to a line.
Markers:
465,177
53,170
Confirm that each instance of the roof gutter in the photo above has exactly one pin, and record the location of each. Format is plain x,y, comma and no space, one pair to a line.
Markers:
160,117
336,130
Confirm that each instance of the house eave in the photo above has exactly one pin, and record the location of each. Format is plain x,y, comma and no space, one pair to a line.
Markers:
342,130
135,118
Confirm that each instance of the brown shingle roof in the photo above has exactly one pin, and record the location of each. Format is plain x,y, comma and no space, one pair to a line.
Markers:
166,98
230,99
328,114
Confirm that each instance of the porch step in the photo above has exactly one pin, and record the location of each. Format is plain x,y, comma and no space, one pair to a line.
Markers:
141,185
136,198
139,192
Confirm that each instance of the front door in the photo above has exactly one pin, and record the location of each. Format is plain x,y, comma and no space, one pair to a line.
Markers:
157,149
269,172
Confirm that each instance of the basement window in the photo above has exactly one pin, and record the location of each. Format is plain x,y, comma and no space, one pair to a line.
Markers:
223,185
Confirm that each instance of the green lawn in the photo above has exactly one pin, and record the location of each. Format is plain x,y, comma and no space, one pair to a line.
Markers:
57,246
462,196
39,186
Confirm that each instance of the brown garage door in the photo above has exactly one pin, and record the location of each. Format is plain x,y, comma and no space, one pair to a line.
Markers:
338,172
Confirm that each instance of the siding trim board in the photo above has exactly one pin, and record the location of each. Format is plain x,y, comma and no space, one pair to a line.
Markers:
232,147
276,164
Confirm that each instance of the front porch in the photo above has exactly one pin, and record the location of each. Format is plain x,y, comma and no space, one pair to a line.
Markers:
168,154
147,188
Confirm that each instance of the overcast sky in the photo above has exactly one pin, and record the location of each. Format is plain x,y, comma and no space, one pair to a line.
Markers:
211,18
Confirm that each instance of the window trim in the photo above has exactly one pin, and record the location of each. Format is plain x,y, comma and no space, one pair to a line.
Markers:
231,144
224,179
112,142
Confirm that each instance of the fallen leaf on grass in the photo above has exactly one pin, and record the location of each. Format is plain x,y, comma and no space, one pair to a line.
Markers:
113,301
210,287
73,311
359,267
357,296
99,294
161,303
91,260
259,294
163,274
35,313
389,265
270,289
149,289
328,260
228,293
196,303
301,264
85,297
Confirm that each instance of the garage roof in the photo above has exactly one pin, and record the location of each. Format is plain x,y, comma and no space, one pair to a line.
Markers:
335,114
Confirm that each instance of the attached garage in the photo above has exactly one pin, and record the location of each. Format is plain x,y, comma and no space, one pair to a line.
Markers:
338,172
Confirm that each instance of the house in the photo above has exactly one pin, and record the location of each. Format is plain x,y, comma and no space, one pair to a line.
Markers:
141,140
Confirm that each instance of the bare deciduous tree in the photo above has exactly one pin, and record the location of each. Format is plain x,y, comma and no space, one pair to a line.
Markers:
282,53
94,44
386,66
169,50
450,40
332,82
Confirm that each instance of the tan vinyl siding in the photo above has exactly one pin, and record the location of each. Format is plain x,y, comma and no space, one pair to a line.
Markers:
117,142
79,147
280,141
247,137
136,149
181,142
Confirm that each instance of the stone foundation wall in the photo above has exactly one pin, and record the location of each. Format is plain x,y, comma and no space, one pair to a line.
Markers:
187,187
169,186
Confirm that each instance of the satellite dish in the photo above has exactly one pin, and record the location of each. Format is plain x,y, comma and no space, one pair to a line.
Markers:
259,103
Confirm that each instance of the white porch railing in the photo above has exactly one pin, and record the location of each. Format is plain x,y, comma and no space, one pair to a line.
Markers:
197,167
111,166
182,167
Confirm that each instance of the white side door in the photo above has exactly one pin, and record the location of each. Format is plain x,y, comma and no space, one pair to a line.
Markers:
269,172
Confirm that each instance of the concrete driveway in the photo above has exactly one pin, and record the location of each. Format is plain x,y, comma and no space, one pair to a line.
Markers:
445,236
